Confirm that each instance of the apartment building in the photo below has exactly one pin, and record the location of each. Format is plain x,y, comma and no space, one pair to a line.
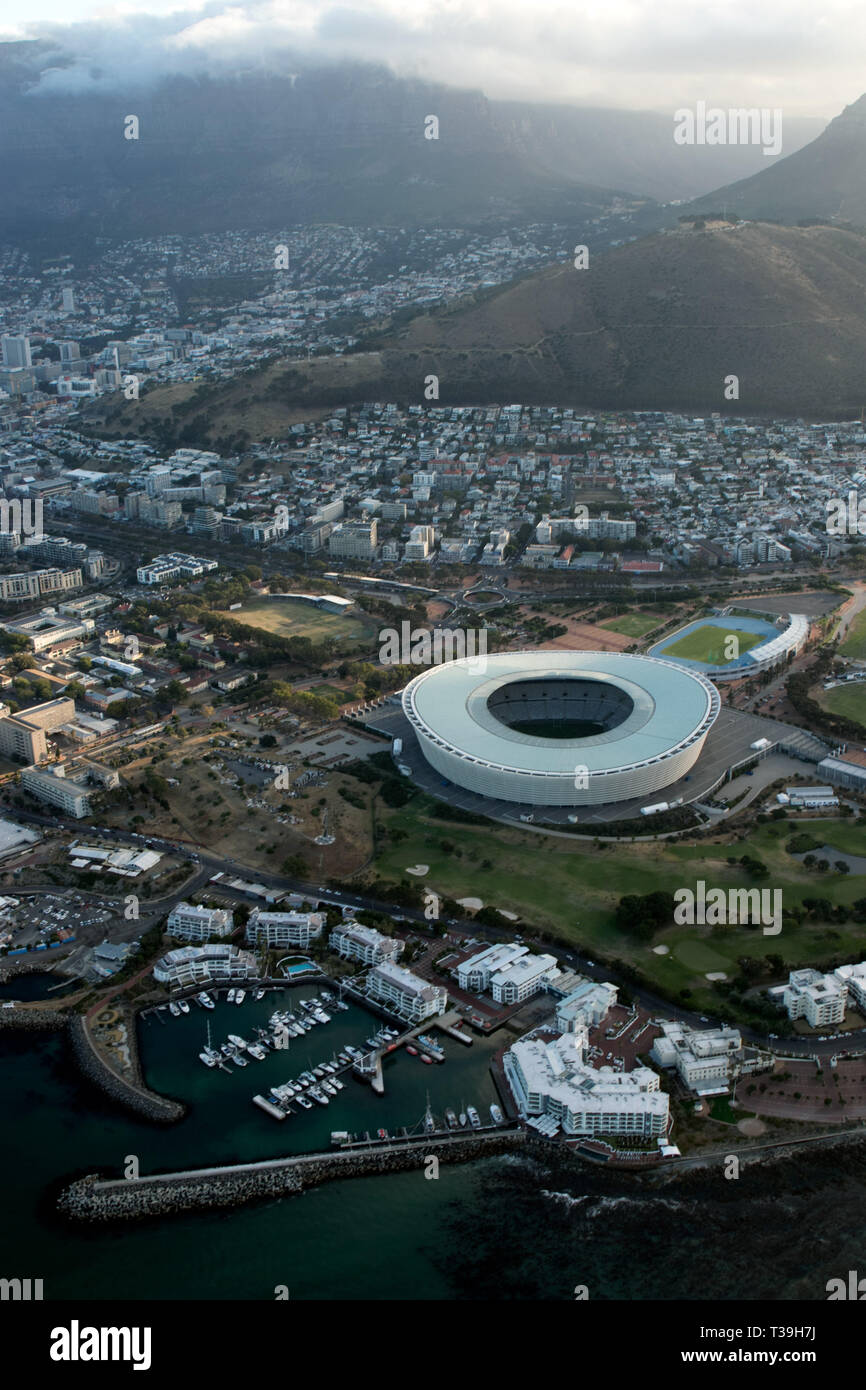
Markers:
586,1005
524,978
412,998
554,1079
191,923
706,1060
475,973
280,929
820,999
23,735
69,785
353,941
354,540
202,965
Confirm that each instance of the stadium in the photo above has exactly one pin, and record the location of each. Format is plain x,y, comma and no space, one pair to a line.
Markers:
569,728
762,642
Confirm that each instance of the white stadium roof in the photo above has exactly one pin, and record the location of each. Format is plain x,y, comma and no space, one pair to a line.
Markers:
671,708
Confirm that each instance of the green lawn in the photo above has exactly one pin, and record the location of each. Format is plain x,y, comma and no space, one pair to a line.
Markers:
571,887
293,618
707,643
855,643
847,700
632,624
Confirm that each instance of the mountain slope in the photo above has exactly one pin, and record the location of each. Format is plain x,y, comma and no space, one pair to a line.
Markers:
824,179
657,324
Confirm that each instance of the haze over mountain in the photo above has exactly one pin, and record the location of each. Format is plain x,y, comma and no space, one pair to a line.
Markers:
657,324
308,144
824,179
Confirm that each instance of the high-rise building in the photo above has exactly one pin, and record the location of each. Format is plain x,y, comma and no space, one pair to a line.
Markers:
68,299
16,352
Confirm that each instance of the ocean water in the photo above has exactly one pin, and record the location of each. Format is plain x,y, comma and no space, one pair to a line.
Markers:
506,1228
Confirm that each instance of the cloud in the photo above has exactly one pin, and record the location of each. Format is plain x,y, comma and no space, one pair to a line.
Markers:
786,53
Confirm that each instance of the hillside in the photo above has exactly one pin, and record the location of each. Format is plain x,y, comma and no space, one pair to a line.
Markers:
824,179
657,324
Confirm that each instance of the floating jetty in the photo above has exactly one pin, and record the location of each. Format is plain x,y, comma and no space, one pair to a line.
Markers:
272,1110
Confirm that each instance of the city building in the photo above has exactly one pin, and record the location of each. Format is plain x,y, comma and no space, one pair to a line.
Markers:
706,1060
354,941
554,1079
406,994
22,735
820,999
202,965
586,1005
475,973
69,785
191,923
523,978
280,929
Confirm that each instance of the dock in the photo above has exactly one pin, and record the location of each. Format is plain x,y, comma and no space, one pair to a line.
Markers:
270,1109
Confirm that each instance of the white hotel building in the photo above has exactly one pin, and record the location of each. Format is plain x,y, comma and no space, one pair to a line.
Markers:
820,999
523,979
475,973
553,1079
706,1060
278,929
407,994
353,941
197,965
190,923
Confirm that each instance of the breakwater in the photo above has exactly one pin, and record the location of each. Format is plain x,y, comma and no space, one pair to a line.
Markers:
132,1094
94,1199
32,1020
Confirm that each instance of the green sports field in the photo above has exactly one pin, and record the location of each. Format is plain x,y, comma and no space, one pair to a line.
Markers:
707,644
632,624
855,643
294,618
847,700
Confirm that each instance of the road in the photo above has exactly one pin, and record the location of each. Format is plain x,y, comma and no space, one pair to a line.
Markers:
792,1045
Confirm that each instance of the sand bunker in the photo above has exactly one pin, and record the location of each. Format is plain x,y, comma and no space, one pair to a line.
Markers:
512,916
716,975
661,950
419,870
472,903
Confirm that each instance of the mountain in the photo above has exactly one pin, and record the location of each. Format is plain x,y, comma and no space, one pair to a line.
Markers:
825,179
657,324
298,144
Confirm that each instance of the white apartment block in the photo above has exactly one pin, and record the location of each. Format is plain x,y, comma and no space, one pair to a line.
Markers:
174,565
278,929
523,979
191,923
853,977
61,784
57,791
705,1060
553,1078
585,1006
407,994
195,965
820,999
354,941
475,973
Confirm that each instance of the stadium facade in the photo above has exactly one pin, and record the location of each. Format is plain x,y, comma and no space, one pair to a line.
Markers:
561,728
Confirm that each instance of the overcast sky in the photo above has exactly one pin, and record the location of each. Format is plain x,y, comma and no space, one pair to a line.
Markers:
803,57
